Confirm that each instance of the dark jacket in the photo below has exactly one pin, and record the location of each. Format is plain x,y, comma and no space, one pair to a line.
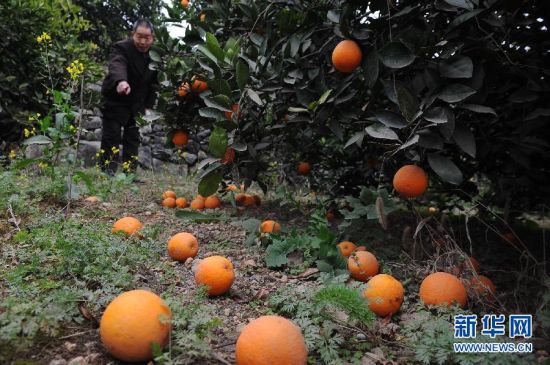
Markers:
127,63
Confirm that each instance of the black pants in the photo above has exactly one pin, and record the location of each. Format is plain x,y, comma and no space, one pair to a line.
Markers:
119,127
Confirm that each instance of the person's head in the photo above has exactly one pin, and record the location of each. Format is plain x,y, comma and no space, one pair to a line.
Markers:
142,35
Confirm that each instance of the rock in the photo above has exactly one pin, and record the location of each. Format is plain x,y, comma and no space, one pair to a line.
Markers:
58,362
79,360
202,155
203,134
193,147
92,123
145,140
189,158
94,359
97,111
162,154
144,157
34,151
227,311
158,128
189,262
87,152
146,129
98,134
70,346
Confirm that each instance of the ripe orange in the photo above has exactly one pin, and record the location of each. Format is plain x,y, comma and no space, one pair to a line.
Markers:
182,246
257,199
346,56
183,90
361,248
441,288
180,138
232,187
346,248
229,156
362,265
483,286
410,181
128,225
185,3
197,203
249,200
304,168
169,203
240,198
181,202
132,322
198,85
270,226
202,17
385,294
168,194
212,202
235,109
216,272
271,340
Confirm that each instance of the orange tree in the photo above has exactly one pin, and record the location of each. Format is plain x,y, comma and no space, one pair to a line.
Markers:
456,86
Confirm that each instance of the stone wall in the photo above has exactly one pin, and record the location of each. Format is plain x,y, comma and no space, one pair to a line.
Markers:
154,153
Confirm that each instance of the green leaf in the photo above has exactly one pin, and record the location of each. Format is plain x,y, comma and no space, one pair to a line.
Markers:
390,119
220,86
276,253
200,217
463,18
371,68
223,101
242,74
155,56
212,113
254,97
437,115
379,130
210,183
455,93
39,139
465,4
208,54
457,67
480,109
407,102
356,138
324,97
396,55
464,138
214,47
445,168
218,142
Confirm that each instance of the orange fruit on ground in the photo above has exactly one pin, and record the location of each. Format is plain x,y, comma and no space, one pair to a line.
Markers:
346,248
229,156
249,200
168,194
181,202
441,288
180,138
257,199
216,272
385,294
346,56
212,202
362,265
235,109
182,246
128,225
200,197
483,286
198,85
185,3
169,203
270,226
271,340
304,168
410,181
132,322
197,204
472,264
240,198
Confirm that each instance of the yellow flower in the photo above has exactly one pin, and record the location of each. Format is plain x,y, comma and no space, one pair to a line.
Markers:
44,37
75,69
27,133
12,154
42,165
